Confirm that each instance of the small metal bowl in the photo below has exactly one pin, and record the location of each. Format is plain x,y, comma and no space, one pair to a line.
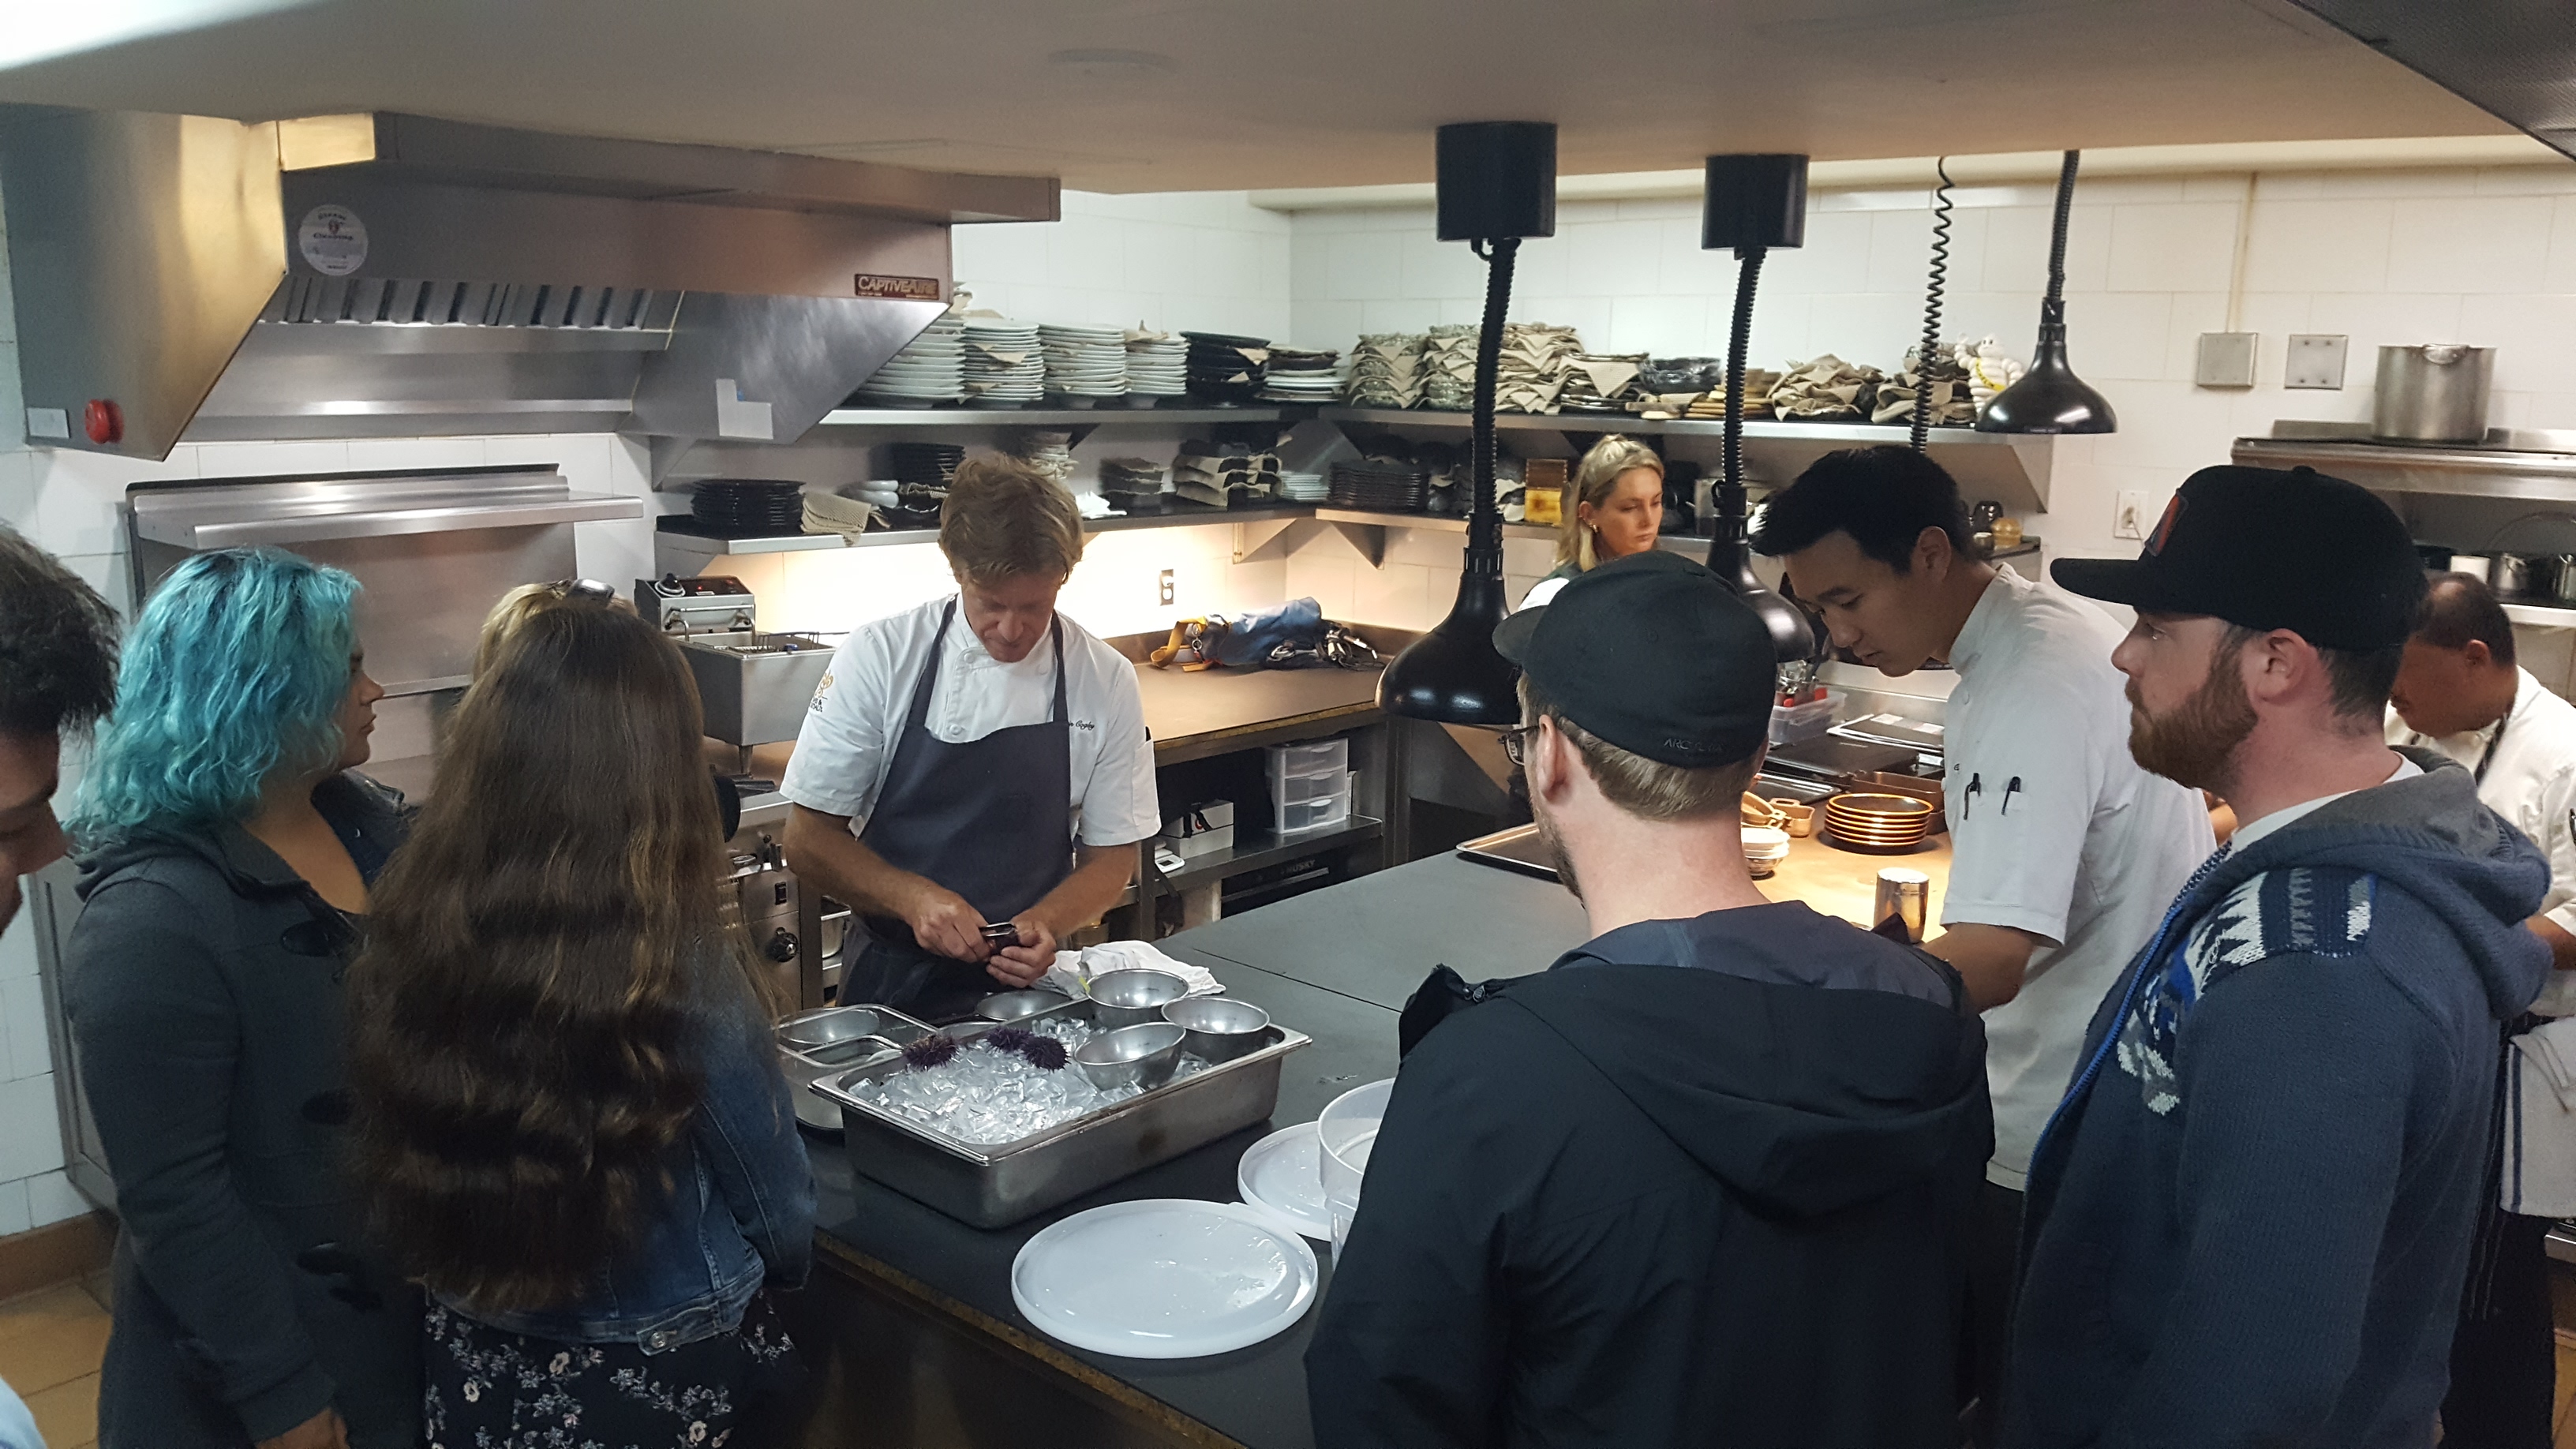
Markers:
1134,996
1137,1056
1013,1005
1218,1030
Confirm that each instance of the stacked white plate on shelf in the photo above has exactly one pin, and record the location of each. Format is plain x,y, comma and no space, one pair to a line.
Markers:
1305,487
931,368
1084,362
1157,364
1004,366
1296,376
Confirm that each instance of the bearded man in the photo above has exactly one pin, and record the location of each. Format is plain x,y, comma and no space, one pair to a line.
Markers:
2249,1220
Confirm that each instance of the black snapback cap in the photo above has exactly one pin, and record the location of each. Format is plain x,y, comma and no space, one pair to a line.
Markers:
1654,654
2323,558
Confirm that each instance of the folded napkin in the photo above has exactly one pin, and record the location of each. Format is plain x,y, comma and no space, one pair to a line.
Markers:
2540,1123
1073,970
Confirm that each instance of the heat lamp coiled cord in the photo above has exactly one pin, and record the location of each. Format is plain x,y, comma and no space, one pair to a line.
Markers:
1739,339
1933,288
1482,515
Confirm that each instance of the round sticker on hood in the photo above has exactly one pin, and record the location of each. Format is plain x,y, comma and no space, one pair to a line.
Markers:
332,240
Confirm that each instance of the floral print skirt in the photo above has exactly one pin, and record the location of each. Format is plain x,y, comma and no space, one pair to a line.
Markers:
485,1388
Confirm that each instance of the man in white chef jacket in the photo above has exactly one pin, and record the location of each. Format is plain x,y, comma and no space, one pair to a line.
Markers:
2461,693
2064,852
975,775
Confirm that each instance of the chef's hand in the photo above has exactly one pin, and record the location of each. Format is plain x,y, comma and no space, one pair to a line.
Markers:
945,925
324,1430
1021,965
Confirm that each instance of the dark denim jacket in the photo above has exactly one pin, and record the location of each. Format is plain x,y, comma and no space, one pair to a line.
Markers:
741,1211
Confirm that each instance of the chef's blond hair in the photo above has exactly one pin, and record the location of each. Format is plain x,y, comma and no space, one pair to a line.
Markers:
1595,478
1004,520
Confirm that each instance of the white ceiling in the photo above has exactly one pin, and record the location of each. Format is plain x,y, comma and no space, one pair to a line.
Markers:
1284,93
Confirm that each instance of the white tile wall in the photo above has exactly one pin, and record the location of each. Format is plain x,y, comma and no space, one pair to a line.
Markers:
1208,261
2484,256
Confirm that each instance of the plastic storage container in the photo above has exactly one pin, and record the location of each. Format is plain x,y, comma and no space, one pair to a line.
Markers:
1346,1132
1804,721
1310,785
1317,758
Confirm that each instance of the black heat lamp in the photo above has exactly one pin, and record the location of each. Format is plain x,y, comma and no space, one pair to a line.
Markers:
2050,398
1752,203
1497,185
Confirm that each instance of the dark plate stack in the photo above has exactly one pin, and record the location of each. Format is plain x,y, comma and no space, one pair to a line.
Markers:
923,470
1133,485
1218,371
748,507
1383,485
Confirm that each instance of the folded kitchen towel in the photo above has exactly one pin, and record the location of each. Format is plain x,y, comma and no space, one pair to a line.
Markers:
2540,1123
1073,970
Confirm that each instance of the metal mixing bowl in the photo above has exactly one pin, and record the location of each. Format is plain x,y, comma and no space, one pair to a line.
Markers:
1134,996
1217,1030
1012,1005
1138,1056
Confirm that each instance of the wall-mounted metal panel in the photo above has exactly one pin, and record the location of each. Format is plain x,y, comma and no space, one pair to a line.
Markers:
141,249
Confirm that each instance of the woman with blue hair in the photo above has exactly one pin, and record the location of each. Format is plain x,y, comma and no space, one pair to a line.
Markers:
227,847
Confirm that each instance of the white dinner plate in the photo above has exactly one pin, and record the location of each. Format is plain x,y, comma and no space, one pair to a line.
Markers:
1165,1278
1282,1175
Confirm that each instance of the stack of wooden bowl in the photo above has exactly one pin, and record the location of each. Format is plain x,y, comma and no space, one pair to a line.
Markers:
1877,823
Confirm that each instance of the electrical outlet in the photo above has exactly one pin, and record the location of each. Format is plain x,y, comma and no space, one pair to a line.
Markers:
1163,590
2129,520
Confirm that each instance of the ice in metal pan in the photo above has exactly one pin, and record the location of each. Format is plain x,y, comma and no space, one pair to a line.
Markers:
986,1095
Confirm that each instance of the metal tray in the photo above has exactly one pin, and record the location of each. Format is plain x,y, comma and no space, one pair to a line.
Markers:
853,1037
996,1185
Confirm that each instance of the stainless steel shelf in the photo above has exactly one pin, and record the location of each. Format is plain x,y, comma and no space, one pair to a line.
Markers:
2544,616
1041,417
1260,849
675,552
1847,434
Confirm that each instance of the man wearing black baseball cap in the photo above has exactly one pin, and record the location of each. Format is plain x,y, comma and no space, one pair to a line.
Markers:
2249,1219
1709,1178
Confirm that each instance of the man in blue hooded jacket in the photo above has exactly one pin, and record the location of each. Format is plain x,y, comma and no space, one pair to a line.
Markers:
2249,1220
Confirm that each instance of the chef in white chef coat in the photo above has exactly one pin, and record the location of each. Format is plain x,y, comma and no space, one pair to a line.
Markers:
974,775
2065,853
2461,693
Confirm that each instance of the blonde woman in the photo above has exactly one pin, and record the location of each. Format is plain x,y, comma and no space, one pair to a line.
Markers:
1616,509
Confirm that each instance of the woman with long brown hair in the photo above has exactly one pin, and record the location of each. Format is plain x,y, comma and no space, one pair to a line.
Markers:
569,1122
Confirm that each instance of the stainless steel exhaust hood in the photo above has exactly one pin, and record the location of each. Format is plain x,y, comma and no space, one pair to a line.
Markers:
385,275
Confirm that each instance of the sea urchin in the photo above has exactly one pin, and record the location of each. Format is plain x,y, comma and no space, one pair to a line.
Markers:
930,1051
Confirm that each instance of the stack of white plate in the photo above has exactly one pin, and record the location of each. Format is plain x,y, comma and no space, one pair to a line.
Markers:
1157,365
1297,376
929,369
1305,487
1084,362
1004,367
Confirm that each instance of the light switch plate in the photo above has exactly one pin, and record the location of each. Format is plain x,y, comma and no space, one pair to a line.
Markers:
2226,360
2316,361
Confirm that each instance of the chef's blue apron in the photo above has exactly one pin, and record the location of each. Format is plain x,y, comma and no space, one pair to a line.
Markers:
991,819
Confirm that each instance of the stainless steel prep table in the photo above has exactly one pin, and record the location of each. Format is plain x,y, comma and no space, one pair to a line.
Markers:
911,1317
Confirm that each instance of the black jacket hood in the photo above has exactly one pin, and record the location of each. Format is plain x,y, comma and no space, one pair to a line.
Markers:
1803,1097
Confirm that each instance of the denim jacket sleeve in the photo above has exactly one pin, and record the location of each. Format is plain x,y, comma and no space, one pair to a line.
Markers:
746,1133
